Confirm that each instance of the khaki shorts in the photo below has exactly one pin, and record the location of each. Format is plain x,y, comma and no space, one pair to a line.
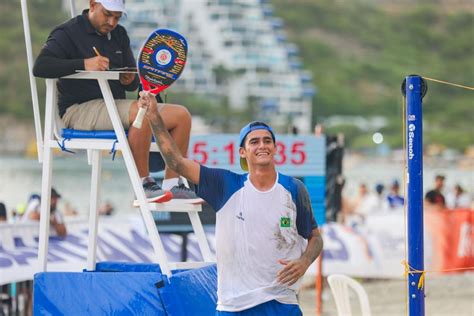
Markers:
93,115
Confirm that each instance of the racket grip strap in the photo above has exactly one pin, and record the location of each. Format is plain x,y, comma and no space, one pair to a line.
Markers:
139,119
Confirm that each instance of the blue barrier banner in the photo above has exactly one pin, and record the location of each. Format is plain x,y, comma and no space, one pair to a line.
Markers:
373,249
119,239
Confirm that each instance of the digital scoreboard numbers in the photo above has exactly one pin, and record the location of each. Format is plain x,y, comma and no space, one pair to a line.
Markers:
296,155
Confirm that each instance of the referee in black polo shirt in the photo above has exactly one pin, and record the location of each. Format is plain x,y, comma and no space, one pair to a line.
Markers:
94,41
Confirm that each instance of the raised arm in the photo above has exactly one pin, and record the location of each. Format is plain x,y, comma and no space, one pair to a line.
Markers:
170,152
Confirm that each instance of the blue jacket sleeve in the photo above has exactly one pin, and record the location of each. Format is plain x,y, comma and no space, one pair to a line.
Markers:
54,60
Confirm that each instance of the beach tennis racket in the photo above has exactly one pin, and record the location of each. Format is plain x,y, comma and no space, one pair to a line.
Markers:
160,62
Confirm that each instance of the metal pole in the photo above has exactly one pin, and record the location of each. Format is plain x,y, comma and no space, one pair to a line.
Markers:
414,91
34,90
72,8
319,284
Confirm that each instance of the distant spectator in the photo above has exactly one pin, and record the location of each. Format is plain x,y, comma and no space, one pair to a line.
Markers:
69,210
435,196
294,130
395,200
360,203
458,198
367,203
13,216
20,209
334,176
377,202
341,204
106,209
318,130
33,205
347,206
3,212
33,213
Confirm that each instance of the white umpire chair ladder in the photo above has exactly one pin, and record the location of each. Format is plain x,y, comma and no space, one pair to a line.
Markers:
52,139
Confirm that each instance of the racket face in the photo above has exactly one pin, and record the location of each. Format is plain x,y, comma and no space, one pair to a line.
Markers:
161,60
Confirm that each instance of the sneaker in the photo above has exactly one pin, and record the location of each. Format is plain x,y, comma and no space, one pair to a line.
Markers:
154,193
185,194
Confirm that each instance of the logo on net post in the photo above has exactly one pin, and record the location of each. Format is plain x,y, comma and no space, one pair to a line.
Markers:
411,136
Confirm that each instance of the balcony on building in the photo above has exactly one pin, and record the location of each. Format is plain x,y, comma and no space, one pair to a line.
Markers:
268,105
306,77
295,64
281,38
292,50
309,92
277,23
267,11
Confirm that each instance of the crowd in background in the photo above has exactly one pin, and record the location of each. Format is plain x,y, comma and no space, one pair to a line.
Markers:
29,211
381,199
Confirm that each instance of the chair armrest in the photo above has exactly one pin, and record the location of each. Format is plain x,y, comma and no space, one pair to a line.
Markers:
82,74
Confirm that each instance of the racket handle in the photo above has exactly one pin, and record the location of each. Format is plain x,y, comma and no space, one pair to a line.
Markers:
139,119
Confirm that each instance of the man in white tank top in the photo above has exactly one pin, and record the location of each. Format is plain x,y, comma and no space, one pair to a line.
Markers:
266,235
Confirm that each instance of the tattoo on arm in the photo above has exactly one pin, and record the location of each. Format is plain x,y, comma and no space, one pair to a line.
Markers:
168,148
315,246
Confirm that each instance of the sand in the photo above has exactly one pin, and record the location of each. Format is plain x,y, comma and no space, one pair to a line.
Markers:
451,295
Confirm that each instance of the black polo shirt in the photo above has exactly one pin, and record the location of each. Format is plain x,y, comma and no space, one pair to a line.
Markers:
72,42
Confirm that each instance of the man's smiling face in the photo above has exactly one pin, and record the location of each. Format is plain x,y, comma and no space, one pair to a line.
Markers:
259,148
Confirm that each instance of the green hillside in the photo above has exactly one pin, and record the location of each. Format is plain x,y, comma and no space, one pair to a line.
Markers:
359,54
14,81
357,51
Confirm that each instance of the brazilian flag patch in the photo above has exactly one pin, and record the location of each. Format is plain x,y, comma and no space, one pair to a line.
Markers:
285,222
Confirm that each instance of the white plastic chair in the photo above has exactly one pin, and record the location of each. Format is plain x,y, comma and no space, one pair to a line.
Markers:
53,138
340,285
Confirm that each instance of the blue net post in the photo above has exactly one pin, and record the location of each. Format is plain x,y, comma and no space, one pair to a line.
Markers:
414,91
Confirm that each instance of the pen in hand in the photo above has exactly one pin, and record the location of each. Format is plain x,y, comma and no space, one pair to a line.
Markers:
96,51
100,60
125,79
